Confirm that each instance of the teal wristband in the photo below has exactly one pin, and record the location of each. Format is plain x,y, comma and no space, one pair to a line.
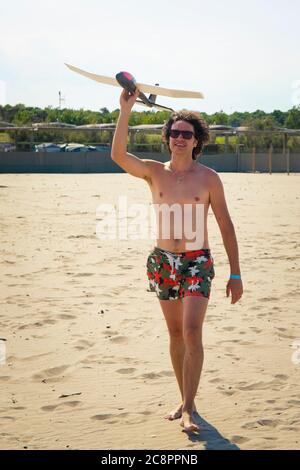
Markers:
235,276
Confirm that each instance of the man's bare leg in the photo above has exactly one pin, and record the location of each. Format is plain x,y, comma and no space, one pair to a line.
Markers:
173,313
194,309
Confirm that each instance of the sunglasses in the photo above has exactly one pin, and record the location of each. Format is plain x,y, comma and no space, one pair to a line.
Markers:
175,133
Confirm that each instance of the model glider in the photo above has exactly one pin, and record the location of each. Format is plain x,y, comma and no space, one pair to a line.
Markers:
127,81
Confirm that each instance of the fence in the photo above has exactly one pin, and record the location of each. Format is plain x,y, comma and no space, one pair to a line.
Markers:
229,156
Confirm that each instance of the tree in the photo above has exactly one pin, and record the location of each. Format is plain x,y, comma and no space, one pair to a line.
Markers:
258,114
279,116
219,118
104,111
293,118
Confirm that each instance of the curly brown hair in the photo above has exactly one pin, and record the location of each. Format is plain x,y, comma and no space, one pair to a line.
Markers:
200,127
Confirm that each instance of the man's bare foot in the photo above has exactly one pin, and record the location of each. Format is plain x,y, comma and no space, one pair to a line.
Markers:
188,422
177,413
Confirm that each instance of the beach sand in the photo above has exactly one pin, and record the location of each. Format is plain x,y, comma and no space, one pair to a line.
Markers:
87,362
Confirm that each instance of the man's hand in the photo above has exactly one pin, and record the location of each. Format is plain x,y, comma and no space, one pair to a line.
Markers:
127,100
236,288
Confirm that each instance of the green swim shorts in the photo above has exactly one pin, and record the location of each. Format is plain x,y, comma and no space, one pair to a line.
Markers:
176,275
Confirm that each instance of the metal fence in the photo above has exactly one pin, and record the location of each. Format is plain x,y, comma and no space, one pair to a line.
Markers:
228,150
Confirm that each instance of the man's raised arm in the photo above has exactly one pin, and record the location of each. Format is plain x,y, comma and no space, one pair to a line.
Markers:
130,163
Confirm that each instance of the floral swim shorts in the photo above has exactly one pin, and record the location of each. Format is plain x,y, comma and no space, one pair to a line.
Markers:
176,275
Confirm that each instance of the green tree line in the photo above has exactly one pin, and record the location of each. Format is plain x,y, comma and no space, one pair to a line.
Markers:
21,115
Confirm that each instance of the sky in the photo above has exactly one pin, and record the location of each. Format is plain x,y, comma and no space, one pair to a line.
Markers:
242,55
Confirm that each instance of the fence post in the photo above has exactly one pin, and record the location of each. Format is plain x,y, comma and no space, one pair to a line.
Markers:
31,133
253,159
131,140
226,144
288,161
284,149
238,153
270,158
111,136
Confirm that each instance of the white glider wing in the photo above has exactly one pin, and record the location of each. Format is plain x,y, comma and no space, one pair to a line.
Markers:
93,76
156,90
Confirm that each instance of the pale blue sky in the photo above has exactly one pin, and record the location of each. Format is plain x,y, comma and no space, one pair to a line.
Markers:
242,55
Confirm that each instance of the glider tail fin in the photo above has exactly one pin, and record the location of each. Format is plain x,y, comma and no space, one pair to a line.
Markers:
152,97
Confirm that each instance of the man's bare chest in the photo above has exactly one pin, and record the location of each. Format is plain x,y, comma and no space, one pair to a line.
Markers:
170,189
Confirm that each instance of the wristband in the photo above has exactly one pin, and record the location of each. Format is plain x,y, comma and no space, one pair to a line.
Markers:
235,276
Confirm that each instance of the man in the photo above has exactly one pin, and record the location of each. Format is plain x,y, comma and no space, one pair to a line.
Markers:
181,276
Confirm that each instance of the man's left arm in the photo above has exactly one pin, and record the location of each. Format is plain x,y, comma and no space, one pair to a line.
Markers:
220,210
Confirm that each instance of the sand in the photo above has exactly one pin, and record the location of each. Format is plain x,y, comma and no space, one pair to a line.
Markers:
87,363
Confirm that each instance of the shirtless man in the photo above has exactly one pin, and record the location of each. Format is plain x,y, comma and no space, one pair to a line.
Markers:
182,277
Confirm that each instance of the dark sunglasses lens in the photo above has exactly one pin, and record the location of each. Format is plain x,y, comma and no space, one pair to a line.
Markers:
174,133
187,134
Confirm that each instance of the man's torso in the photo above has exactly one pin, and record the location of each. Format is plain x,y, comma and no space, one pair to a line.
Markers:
187,191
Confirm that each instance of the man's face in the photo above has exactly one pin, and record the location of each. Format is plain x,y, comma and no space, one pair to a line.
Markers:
179,145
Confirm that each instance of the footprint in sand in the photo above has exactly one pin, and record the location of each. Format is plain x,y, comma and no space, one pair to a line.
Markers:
130,370
119,339
289,428
64,316
257,386
281,377
268,422
146,413
215,381
102,417
267,299
228,392
83,344
244,343
256,330
228,328
288,336
69,404
84,274
239,439
4,378
93,358
151,376
34,357
167,373
259,423
49,322
54,372
294,402
49,408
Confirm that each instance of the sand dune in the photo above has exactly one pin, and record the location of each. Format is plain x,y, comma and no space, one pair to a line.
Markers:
87,363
